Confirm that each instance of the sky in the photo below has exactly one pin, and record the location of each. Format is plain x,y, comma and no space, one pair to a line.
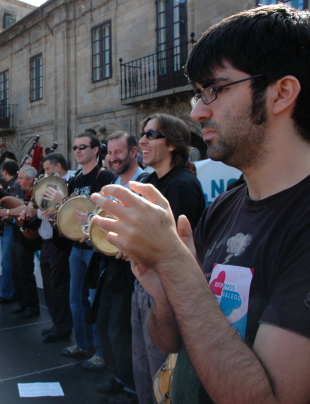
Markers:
34,2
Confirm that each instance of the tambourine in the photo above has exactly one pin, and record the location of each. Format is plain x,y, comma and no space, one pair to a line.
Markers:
65,219
162,382
96,235
38,188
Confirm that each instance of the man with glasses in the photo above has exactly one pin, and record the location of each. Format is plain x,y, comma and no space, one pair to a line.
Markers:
241,325
91,178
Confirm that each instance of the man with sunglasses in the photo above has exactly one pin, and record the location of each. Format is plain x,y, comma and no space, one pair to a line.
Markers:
91,178
241,325
164,141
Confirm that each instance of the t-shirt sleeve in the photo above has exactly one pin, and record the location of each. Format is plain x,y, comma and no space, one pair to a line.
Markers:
104,178
289,304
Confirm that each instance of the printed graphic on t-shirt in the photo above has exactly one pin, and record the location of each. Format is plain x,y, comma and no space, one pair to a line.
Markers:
230,285
83,191
237,245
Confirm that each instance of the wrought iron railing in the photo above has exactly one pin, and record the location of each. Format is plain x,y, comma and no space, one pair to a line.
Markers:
159,71
6,115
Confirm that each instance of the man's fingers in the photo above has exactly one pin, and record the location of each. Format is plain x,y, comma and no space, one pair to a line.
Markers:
186,234
108,205
106,224
128,198
184,227
110,228
150,192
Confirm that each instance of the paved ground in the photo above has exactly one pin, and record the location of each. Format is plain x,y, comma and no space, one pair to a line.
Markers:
24,358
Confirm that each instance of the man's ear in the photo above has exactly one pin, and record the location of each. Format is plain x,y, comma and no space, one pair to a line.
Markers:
171,147
284,93
133,151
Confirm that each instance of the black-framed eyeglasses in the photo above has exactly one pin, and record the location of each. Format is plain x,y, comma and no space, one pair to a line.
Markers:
152,134
81,147
210,93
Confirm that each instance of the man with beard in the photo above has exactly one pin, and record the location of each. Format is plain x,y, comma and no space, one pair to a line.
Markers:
241,321
114,315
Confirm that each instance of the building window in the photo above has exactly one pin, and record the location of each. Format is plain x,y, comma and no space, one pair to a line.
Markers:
299,4
36,78
171,42
8,20
102,52
4,95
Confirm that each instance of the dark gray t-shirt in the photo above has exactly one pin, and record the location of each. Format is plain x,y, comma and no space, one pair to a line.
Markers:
271,239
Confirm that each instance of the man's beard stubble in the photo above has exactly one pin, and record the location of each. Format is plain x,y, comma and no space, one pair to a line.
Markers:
241,140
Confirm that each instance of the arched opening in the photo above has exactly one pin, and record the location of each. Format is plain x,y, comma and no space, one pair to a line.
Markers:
7,155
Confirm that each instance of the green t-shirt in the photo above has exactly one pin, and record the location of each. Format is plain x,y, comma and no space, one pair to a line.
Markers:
185,386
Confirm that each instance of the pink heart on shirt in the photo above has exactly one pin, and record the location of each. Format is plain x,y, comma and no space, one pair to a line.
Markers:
218,283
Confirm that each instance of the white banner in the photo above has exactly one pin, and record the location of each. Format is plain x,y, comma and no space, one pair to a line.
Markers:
215,177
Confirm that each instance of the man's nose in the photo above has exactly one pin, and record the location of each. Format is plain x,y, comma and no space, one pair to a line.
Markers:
201,111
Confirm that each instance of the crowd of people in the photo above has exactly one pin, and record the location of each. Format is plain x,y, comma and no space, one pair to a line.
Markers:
233,300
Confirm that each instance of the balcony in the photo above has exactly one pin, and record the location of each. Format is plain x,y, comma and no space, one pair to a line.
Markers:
155,73
7,114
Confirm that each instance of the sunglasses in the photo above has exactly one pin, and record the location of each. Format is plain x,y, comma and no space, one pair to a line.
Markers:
152,134
82,147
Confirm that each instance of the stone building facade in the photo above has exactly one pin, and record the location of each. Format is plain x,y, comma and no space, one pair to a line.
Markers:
12,11
60,69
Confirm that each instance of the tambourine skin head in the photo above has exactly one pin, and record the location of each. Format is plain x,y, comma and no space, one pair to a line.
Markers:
66,219
53,181
99,239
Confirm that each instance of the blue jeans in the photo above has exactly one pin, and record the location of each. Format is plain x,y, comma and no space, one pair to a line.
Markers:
79,301
7,285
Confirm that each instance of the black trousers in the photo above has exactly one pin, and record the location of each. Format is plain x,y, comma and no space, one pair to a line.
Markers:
114,332
56,283
22,269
